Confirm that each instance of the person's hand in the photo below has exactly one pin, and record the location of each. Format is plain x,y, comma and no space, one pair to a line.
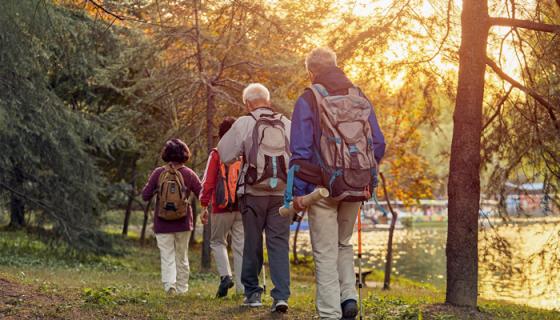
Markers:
204,215
298,204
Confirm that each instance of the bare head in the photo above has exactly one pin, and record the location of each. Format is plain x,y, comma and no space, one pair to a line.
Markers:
255,95
319,60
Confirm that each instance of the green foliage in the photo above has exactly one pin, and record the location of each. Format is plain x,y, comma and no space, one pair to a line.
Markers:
61,116
133,289
19,249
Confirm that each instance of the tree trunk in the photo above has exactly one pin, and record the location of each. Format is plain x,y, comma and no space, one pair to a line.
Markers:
131,196
17,206
145,222
389,256
192,239
206,232
464,171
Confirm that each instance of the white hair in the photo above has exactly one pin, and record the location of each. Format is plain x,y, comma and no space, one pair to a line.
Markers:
255,91
320,59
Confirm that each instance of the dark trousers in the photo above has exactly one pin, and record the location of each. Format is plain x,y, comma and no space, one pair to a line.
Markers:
260,213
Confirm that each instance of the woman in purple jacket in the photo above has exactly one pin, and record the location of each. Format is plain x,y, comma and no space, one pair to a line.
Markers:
173,235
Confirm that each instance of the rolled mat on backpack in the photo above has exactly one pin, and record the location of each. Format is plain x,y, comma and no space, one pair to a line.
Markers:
307,200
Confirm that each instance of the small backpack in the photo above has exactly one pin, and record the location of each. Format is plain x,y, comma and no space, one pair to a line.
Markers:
172,194
226,187
347,159
268,158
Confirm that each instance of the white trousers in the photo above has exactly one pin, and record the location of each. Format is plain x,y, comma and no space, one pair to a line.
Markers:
222,224
173,249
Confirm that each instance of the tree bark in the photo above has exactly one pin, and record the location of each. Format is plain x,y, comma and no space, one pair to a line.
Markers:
525,24
389,256
145,222
17,206
131,196
206,231
192,239
464,172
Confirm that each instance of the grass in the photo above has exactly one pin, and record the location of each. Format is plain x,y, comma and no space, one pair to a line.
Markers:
37,281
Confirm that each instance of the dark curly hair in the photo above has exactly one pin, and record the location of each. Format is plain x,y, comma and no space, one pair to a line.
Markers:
225,126
175,150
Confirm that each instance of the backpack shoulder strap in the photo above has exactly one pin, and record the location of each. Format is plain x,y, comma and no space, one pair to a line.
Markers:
181,180
319,92
354,91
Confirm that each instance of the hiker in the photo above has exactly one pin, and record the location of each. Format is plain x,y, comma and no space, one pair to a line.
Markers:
262,139
173,221
336,143
219,185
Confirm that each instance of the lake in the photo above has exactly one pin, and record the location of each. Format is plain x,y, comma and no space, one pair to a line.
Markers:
519,263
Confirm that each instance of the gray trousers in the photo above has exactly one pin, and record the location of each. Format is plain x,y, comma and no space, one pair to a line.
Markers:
260,213
222,225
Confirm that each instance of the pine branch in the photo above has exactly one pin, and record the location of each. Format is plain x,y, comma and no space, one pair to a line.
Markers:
525,24
498,108
102,8
548,106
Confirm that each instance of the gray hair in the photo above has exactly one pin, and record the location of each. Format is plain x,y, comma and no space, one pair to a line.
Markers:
255,91
320,59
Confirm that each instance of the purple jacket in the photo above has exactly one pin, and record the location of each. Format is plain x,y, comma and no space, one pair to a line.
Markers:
192,182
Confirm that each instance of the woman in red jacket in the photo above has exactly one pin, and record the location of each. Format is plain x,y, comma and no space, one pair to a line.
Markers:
220,185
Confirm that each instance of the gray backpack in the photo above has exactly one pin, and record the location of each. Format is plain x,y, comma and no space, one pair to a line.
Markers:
269,155
347,161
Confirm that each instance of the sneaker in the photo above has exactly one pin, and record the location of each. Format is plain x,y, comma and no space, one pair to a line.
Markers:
171,291
225,284
253,301
280,306
349,309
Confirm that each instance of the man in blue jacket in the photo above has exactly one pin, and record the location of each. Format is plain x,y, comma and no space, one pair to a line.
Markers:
331,222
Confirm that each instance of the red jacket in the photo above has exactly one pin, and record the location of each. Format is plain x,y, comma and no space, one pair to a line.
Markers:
209,182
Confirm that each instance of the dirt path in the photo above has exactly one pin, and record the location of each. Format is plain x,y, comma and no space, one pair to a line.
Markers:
20,301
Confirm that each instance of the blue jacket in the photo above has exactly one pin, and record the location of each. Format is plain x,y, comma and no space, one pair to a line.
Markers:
306,131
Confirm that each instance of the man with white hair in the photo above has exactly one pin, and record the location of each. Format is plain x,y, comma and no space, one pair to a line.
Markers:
261,138
337,144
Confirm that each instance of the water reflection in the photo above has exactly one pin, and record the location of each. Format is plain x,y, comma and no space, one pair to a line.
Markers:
519,263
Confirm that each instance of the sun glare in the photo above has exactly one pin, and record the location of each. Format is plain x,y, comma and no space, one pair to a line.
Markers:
403,49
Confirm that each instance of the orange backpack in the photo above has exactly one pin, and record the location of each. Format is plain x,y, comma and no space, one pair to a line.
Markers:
226,187
172,194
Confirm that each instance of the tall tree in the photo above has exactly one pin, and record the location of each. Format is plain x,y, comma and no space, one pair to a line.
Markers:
57,65
464,175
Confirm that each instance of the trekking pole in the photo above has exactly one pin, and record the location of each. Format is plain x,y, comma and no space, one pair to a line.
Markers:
360,284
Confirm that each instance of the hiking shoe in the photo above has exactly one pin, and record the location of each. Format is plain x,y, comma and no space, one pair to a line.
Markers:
253,300
280,306
225,284
349,309
171,291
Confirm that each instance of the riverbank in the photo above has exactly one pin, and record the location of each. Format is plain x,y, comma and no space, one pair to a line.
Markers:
39,282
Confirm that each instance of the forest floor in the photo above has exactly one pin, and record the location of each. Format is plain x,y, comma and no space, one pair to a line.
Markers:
38,282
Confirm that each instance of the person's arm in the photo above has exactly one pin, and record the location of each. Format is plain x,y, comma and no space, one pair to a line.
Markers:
377,137
192,182
151,185
376,134
230,146
301,141
209,179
